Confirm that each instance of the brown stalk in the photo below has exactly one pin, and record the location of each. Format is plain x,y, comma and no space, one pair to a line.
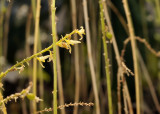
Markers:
60,83
76,55
37,19
6,27
90,57
134,48
150,84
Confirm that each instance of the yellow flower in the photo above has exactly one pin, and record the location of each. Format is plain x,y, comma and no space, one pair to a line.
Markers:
72,42
81,32
42,59
21,68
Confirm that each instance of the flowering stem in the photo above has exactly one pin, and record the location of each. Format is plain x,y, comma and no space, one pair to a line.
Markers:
3,74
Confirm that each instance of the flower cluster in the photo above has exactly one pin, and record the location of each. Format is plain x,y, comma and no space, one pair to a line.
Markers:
66,41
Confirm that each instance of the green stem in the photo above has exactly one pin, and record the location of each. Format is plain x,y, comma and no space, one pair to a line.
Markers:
24,61
13,68
33,3
106,59
53,10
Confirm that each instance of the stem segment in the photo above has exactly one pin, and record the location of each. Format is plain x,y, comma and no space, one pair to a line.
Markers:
133,44
108,81
53,10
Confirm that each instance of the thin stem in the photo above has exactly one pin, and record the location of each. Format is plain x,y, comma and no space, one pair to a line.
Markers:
76,55
33,3
2,3
53,10
6,28
93,75
149,81
3,74
106,59
35,51
133,44
60,83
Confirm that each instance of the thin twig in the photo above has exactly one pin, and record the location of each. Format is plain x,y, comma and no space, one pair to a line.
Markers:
76,56
66,106
142,40
37,20
134,48
90,57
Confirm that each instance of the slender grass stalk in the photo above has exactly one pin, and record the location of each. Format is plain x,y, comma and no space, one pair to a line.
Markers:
76,55
60,83
41,84
6,28
120,73
106,59
35,51
33,3
53,10
116,11
125,102
89,48
148,80
133,44
1,48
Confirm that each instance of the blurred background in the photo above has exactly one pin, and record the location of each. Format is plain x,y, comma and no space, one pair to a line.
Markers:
17,41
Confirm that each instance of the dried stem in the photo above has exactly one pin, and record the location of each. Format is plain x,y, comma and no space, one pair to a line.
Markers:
93,75
66,106
76,55
37,19
120,17
134,48
150,84
60,83
142,40
15,96
6,28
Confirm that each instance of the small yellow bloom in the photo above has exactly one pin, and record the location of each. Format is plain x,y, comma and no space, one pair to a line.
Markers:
21,68
72,42
42,59
81,32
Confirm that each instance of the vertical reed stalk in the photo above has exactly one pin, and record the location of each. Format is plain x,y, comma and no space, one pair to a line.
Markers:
106,59
120,73
148,80
1,48
53,11
76,55
89,48
33,3
35,51
41,84
6,28
60,83
134,48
